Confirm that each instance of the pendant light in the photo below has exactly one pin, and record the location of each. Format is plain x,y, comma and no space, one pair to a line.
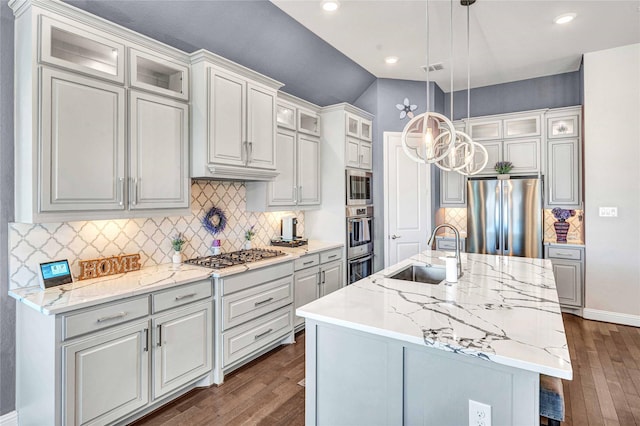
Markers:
477,153
463,150
428,137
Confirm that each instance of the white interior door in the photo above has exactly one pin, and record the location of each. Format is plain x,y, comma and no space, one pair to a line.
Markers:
407,187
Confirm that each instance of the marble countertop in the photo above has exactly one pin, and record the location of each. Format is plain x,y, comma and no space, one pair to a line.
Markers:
85,293
503,309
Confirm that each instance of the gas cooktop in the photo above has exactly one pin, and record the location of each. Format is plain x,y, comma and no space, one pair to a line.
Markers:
234,258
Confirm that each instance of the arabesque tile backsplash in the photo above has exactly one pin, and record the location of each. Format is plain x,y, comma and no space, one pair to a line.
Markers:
31,244
458,218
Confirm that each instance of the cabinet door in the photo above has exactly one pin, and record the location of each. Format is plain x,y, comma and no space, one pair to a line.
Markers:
352,153
106,375
305,289
485,130
261,127
283,191
331,278
159,147
158,74
494,154
522,126
308,122
82,49
286,115
564,173
366,155
352,125
83,143
227,112
566,126
308,170
453,187
366,129
524,154
183,347
568,277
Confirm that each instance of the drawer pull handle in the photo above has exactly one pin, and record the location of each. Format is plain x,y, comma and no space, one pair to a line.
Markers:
307,263
332,256
112,317
185,296
257,336
262,302
563,254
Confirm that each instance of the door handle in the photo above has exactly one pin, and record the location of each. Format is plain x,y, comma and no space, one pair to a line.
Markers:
324,277
295,194
394,236
146,340
160,335
250,152
246,152
121,196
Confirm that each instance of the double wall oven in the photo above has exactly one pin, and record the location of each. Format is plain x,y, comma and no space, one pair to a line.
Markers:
359,242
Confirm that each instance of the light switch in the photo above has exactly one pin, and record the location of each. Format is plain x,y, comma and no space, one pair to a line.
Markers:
608,212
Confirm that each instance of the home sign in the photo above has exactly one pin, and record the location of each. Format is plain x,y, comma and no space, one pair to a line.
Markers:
102,267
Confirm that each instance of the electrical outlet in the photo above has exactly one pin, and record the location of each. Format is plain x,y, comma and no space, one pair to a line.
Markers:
608,212
479,414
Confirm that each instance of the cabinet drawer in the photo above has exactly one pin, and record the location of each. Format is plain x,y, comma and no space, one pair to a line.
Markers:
306,262
246,305
255,277
331,255
445,245
103,317
564,253
182,295
242,341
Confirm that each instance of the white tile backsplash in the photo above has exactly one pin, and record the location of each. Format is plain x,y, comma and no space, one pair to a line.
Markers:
31,244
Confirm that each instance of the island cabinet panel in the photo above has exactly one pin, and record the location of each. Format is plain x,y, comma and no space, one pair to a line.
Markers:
357,379
305,290
438,386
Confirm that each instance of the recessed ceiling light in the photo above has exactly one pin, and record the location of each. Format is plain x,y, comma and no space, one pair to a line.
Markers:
564,18
391,59
330,5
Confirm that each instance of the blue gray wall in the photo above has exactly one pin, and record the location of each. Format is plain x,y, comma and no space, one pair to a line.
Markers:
256,34
7,304
552,91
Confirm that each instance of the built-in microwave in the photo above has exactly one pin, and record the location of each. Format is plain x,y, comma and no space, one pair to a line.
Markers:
359,187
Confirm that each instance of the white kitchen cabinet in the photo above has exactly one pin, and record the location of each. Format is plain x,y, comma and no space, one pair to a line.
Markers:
159,152
359,154
305,290
453,189
563,123
524,154
159,75
233,121
564,174
449,244
494,154
298,183
81,48
358,127
483,129
183,345
106,375
82,144
73,119
316,275
522,126
568,270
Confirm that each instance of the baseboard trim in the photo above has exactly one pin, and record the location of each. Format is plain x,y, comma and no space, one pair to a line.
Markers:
9,419
614,317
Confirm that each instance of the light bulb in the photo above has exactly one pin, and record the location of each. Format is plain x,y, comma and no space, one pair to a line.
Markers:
330,6
428,143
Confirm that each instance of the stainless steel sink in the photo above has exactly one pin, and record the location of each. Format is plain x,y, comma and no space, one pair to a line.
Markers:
428,274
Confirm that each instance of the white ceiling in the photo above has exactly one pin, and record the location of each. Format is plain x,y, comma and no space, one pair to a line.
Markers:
510,39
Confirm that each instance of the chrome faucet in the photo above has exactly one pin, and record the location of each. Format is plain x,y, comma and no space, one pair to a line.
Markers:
432,240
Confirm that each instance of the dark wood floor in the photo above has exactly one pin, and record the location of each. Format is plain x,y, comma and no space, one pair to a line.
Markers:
605,389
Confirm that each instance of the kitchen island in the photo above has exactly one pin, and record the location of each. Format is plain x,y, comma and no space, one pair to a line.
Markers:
389,351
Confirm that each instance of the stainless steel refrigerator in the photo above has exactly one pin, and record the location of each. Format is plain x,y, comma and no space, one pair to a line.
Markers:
504,217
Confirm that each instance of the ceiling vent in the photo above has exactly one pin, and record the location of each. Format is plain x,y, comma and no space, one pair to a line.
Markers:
434,67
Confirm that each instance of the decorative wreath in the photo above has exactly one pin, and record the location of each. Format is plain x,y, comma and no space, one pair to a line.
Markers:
214,221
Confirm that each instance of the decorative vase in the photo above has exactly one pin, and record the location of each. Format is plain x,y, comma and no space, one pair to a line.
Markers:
562,228
503,176
247,245
177,258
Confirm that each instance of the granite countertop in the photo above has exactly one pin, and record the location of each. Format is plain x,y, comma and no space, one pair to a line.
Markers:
85,293
503,309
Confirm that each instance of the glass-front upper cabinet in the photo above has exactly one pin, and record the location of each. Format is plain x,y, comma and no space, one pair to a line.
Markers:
365,129
522,126
563,127
353,126
485,129
82,49
308,122
286,115
159,75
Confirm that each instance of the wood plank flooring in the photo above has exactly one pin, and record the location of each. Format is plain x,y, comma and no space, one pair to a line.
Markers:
605,389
